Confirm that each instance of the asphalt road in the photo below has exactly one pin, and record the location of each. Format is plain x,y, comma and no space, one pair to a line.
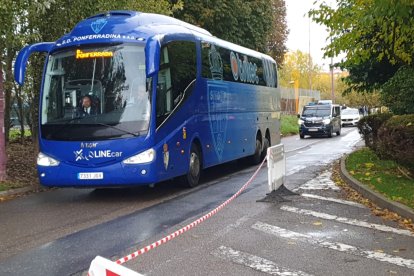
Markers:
59,232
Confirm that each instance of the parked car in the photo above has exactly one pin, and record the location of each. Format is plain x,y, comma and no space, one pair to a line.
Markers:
350,117
320,119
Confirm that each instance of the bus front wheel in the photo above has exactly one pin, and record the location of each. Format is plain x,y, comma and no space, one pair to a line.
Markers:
192,177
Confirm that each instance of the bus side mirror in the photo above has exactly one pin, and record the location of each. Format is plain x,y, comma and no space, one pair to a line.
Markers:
298,115
152,56
23,57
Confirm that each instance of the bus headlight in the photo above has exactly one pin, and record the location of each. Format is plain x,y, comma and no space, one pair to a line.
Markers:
46,161
301,122
143,157
326,121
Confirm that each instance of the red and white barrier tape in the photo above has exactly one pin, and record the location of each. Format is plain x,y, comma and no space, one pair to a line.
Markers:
191,225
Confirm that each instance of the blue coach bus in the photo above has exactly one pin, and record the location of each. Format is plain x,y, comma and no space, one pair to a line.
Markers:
132,98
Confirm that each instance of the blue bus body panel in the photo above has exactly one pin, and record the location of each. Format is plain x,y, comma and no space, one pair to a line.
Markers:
222,117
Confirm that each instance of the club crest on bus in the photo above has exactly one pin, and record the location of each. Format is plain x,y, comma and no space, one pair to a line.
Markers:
216,64
217,108
98,25
166,156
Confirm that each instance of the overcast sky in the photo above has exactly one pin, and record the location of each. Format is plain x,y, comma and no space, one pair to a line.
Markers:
298,24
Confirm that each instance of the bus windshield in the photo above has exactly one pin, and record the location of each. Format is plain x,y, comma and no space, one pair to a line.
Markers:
96,93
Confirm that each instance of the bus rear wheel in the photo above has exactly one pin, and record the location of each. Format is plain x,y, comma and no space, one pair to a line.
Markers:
192,177
266,145
256,157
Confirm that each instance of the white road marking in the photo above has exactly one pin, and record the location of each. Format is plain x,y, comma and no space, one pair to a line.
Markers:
378,256
295,169
355,222
255,262
321,182
341,201
232,226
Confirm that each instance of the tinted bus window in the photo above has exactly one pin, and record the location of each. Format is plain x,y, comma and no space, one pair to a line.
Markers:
177,71
219,63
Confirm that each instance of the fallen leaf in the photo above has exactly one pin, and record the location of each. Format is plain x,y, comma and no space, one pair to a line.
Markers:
369,165
317,223
379,251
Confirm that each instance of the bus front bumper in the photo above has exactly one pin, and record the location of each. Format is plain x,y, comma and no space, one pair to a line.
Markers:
114,175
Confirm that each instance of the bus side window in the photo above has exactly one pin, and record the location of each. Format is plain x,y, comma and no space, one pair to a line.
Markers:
177,70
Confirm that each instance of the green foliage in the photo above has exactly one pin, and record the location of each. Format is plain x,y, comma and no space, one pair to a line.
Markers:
376,37
289,125
355,99
258,25
14,134
369,125
385,176
395,140
398,92
296,67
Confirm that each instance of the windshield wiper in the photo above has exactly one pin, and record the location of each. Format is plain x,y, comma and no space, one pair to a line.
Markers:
68,122
120,129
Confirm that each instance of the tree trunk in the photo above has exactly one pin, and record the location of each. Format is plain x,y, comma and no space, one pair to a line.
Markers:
20,112
37,63
8,92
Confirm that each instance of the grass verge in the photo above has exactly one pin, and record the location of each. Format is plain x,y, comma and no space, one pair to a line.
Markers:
7,185
289,125
384,176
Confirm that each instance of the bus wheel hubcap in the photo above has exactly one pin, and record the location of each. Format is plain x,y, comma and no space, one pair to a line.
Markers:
194,165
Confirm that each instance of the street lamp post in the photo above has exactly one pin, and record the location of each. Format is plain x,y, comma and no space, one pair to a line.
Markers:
332,82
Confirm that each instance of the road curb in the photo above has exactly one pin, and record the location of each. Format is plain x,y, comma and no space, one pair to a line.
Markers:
17,191
375,197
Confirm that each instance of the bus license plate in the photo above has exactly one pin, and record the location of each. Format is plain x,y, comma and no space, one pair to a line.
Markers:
94,175
313,129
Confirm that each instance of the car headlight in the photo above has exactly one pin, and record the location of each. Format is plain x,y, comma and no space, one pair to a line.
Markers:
326,121
301,122
143,157
46,161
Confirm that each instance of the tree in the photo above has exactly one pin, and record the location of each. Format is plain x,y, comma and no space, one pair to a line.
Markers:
375,36
357,99
296,67
253,24
276,46
398,91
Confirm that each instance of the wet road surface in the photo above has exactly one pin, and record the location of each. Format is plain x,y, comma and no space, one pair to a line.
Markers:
59,232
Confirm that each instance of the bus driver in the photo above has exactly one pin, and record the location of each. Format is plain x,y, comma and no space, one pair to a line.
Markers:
87,109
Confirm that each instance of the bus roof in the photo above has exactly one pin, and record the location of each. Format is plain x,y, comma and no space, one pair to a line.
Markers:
132,26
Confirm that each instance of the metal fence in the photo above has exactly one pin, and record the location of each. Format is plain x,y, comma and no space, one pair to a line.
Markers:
293,101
